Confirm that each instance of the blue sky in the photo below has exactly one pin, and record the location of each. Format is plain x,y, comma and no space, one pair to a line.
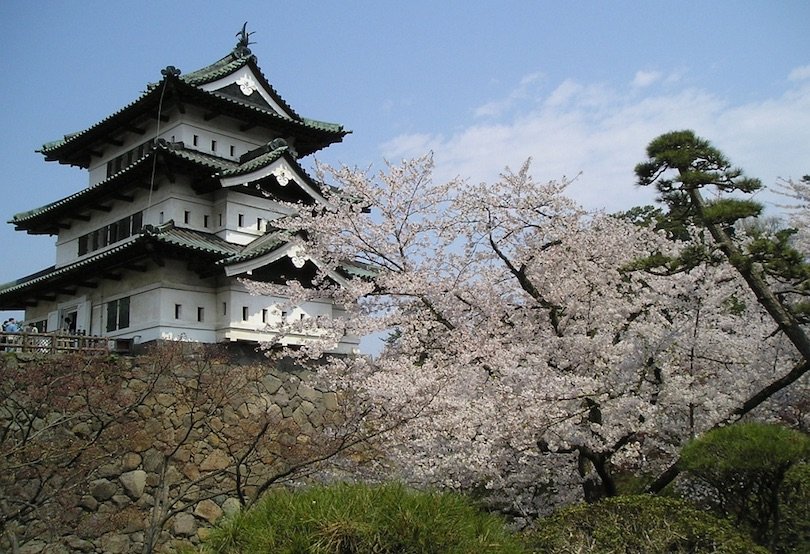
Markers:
580,86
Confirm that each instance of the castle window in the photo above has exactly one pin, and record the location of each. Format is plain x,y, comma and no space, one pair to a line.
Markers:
186,216
241,220
233,150
178,310
244,313
195,140
205,221
259,222
220,220
137,222
160,218
110,234
200,314
118,314
264,315
213,146
224,308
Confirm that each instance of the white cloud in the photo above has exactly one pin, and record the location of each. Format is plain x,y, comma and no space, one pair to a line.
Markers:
498,107
646,78
800,73
603,132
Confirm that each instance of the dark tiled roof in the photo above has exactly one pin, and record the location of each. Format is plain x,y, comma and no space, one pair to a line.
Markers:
227,65
214,163
201,158
217,70
52,272
74,198
256,163
185,239
191,240
262,245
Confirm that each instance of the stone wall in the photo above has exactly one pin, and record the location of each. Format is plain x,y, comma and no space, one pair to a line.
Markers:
178,428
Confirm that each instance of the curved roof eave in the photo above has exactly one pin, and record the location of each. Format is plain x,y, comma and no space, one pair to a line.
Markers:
180,238
66,150
28,219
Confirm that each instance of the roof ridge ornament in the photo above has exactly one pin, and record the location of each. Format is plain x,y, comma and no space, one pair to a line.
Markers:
242,46
170,70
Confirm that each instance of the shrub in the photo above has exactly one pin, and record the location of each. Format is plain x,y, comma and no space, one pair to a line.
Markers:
794,496
357,519
640,524
745,465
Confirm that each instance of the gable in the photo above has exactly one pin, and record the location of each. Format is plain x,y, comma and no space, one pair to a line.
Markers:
285,174
246,86
288,254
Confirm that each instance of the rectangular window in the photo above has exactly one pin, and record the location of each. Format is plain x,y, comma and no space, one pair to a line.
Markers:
220,220
259,222
195,140
137,222
264,315
160,218
124,227
200,314
112,233
178,309
233,150
83,245
213,146
224,308
186,216
123,312
118,314
241,220
244,313
205,221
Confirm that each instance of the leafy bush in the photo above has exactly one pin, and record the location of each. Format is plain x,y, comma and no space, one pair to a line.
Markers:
357,519
745,465
640,524
794,496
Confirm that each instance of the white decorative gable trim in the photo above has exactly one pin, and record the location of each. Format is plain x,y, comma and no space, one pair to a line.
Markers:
295,252
282,171
283,175
248,84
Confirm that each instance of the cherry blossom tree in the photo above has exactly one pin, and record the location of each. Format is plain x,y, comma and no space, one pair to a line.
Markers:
798,210
530,352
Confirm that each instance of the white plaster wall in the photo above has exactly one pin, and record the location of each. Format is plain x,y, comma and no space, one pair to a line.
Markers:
154,294
251,207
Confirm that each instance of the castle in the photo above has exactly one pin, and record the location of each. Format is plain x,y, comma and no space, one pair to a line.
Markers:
185,184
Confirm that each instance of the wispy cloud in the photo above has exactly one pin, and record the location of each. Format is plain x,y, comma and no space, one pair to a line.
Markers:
496,108
800,73
602,131
646,78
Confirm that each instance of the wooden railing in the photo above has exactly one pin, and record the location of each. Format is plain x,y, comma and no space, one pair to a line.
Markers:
53,343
